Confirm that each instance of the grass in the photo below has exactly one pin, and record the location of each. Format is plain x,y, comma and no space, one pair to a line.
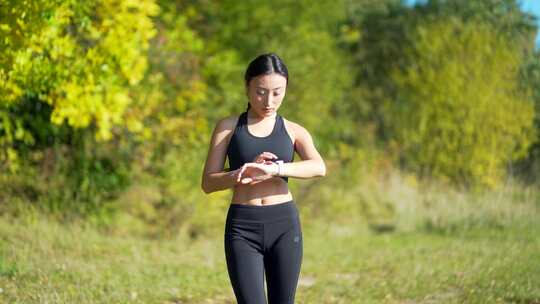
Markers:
42,261
385,239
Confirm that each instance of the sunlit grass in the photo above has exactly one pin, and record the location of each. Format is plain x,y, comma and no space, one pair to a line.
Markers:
42,261
388,239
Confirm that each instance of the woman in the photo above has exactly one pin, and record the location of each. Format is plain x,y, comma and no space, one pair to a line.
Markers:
263,235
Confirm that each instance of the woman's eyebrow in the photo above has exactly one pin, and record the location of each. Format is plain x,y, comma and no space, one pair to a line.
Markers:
267,89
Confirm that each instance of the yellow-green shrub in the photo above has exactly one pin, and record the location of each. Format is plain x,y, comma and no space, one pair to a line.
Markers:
81,58
459,113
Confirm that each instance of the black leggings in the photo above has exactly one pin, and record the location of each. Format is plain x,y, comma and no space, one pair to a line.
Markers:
263,241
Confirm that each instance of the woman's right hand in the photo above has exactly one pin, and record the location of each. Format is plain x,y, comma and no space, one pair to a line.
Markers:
263,157
254,173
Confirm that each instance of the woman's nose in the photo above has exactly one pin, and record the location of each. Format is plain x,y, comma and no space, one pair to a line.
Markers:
269,99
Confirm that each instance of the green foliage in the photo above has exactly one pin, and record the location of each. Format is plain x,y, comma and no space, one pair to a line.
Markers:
170,100
80,57
459,112
529,167
380,36
504,16
108,105
302,33
77,180
374,36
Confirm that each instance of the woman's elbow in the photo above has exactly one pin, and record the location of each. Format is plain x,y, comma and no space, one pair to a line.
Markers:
322,170
204,186
205,190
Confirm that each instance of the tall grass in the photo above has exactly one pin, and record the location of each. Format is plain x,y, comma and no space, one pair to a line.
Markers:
373,234
366,191
381,198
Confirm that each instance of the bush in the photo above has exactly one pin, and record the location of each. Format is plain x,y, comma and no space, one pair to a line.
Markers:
459,113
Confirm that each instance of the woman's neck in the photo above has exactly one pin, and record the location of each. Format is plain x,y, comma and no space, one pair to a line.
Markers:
258,118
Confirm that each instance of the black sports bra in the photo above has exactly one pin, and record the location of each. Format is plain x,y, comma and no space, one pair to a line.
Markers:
244,147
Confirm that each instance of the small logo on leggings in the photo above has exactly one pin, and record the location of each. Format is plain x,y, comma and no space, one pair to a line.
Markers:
296,239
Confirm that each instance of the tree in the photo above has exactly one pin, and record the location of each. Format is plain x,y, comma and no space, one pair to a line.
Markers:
304,34
459,112
78,60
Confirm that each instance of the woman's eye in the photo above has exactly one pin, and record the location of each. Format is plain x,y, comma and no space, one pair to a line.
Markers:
276,93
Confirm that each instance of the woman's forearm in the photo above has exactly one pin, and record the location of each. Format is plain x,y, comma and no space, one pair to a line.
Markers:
304,169
228,179
219,181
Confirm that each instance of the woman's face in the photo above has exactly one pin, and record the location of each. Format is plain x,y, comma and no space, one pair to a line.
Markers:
266,93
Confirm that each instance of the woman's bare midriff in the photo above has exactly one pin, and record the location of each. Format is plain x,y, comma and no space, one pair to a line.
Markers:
269,192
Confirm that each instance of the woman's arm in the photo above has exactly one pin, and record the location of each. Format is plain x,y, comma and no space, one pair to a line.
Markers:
214,178
220,181
312,164
304,169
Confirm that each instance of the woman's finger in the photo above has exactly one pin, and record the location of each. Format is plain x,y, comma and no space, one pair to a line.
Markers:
259,179
246,180
256,167
255,172
270,155
241,172
261,158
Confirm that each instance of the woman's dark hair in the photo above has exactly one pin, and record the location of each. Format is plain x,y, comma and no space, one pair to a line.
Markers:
263,65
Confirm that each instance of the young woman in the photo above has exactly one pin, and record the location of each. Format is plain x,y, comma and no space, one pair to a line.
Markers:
263,235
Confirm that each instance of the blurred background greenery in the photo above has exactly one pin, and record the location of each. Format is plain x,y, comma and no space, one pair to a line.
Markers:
107,106
427,115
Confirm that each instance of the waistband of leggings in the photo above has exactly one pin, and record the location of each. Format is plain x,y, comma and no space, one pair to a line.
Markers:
262,213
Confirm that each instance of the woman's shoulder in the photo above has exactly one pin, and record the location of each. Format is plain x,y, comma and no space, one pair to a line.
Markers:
294,126
228,122
224,128
295,129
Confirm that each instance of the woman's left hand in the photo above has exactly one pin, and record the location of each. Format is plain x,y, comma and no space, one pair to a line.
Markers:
254,173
